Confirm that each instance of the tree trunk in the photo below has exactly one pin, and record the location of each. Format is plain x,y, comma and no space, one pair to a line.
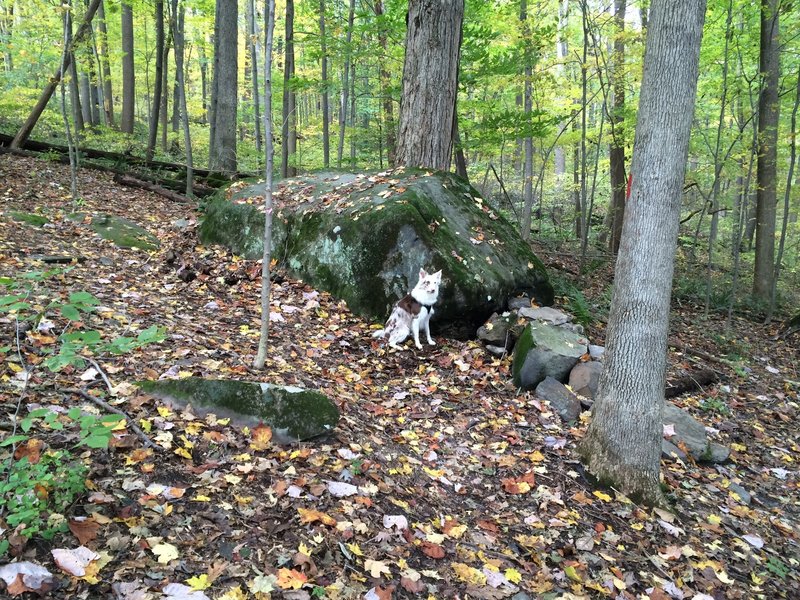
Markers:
386,95
178,43
128,71
157,91
224,100
176,23
164,95
204,81
430,83
252,48
767,174
266,258
527,168
6,28
289,126
83,31
343,96
622,446
74,90
105,65
617,149
326,110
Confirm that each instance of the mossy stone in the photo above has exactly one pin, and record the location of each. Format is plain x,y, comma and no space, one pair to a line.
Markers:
29,218
123,233
293,413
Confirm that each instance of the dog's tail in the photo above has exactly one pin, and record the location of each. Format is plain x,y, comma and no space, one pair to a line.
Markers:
379,334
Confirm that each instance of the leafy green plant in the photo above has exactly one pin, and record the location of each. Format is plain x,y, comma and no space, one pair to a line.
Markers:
95,431
577,303
714,405
35,495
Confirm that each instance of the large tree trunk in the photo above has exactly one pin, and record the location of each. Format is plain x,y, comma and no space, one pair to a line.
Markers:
617,149
326,111
222,152
128,71
6,28
105,65
622,446
767,177
83,31
289,129
159,76
430,83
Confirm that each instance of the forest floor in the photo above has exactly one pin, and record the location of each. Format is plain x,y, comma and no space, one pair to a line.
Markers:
466,488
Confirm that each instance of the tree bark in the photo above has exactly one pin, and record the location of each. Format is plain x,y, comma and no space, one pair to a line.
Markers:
289,127
767,172
128,71
83,31
266,258
222,152
430,83
176,24
105,66
527,168
344,96
385,79
326,110
252,48
159,76
617,149
622,446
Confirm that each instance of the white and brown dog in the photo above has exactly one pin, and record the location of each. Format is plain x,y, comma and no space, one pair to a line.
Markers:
413,313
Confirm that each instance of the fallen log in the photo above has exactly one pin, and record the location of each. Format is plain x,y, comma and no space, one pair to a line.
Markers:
130,181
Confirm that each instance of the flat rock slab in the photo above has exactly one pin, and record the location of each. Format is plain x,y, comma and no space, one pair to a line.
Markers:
546,314
294,414
562,401
692,433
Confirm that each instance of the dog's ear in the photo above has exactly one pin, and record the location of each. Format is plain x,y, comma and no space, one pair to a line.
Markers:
438,275
422,274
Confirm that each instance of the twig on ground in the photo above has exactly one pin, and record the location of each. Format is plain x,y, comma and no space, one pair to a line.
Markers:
97,366
102,403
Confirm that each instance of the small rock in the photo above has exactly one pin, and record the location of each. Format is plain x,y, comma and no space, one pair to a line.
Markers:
496,350
597,352
499,330
574,328
563,402
717,453
181,223
546,314
517,303
543,350
670,451
744,496
692,433
585,377
106,262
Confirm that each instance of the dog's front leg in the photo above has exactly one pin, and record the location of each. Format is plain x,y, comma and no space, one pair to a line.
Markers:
415,330
428,327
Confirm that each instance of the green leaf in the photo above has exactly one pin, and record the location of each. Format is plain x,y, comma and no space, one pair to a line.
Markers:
83,298
13,440
70,312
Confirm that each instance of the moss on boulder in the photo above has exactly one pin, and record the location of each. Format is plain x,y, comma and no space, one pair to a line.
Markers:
293,413
364,237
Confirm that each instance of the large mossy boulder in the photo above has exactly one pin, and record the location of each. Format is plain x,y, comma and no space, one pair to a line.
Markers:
293,413
364,237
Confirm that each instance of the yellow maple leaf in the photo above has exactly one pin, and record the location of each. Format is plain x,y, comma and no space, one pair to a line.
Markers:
165,552
469,574
310,516
377,568
603,496
260,437
199,582
355,549
513,575
573,574
236,593
183,452
291,579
